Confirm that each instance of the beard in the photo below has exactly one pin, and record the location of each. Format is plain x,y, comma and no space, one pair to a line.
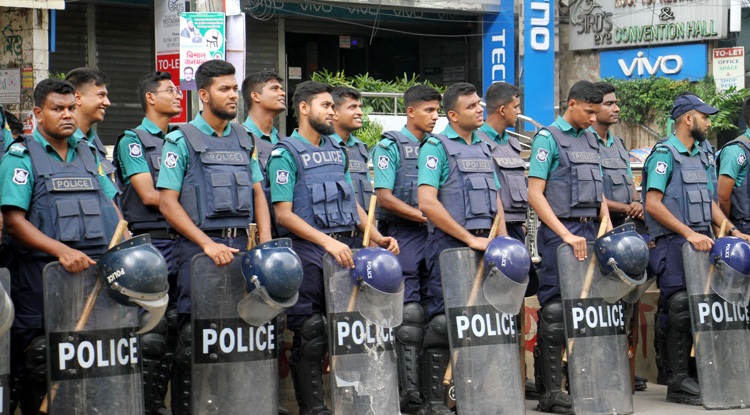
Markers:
221,112
697,134
321,127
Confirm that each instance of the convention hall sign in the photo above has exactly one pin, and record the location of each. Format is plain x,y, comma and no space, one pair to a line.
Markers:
628,23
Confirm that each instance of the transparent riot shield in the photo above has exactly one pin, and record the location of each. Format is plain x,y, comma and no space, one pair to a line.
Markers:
722,339
363,361
94,360
235,368
597,347
484,342
5,347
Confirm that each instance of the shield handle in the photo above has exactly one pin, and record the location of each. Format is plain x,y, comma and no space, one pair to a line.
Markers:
122,226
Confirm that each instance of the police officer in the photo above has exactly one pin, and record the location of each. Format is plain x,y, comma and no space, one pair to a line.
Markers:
347,118
453,220
567,216
136,157
395,172
679,210
93,100
734,187
265,99
52,154
617,174
15,126
209,191
314,204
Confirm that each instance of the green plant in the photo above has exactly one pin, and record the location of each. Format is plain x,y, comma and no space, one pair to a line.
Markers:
648,101
371,130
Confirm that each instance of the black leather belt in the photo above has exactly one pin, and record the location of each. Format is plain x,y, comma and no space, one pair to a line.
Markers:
160,234
226,232
581,219
479,232
341,235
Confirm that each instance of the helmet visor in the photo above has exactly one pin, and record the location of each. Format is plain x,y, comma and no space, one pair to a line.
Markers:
258,308
381,308
503,293
730,284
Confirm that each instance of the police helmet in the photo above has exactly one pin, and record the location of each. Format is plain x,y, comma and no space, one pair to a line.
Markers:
377,273
135,274
622,255
6,309
730,257
273,277
507,265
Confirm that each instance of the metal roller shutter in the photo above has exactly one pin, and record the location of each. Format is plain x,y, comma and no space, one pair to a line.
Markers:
71,39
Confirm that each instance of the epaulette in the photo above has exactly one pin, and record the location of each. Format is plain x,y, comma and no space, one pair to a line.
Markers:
661,149
174,137
17,149
433,140
544,133
277,152
385,143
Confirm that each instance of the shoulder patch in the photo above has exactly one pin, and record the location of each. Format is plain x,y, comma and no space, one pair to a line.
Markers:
20,176
383,162
282,177
135,150
431,163
541,154
171,160
661,167
741,159
17,149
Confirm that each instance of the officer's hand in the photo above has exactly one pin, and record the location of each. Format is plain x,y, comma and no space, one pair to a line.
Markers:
700,242
743,236
579,245
340,252
75,261
479,243
220,253
390,244
635,210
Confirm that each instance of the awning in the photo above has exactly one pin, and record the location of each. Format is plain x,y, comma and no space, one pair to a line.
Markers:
34,4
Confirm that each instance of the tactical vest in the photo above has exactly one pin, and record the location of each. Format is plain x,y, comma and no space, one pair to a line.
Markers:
107,166
514,187
470,193
740,209
713,171
264,149
618,184
360,173
686,196
322,196
406,183
217,191
574,188
68,203
139,216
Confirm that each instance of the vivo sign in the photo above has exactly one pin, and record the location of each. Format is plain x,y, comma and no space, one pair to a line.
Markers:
675,62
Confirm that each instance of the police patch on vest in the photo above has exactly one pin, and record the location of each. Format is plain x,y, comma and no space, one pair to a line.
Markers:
353,334
432,162
232,340
322,157
171,160
593,317
614,163
72,184
135,150
741,159
383,162
93,354
715,314
357,166
661,168
20,176
541,154
474,165
225,157
583,157
481,326
509,162
282,176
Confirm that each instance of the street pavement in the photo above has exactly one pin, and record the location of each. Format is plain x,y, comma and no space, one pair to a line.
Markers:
652,401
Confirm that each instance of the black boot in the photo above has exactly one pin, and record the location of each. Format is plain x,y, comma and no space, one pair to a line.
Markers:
548,361
181,376
307,370
434,363
660,349
408,377
681,388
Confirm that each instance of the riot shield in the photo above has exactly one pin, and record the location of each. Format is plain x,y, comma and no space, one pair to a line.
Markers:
722,339
598,365
5,348
363,360
94,360
235,368
484,342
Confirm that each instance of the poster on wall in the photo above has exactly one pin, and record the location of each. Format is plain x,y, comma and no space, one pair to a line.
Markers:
167,45
201,39
10,86
729,68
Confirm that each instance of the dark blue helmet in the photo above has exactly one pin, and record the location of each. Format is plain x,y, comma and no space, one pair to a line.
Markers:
735,252
509,256
273,276
730,257
379,268
622,249
135,274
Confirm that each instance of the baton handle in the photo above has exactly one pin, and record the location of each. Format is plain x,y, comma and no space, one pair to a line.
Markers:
252,235
711,272
475,288
88,307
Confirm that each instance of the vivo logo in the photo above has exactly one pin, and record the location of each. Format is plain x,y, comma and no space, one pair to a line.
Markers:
667,64
540,32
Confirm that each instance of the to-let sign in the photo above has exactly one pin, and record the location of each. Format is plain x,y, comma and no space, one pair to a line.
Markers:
729,68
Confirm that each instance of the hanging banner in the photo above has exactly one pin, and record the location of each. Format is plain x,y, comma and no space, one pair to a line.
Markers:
167,45
201,39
